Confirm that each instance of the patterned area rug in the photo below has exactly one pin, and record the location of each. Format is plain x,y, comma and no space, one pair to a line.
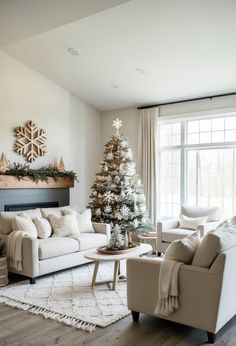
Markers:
68,297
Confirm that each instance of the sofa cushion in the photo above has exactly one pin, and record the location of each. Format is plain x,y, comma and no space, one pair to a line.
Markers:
44,229
213,214
58,246
192,222
183,250
7,217
63,226
89,241
212,244
175,233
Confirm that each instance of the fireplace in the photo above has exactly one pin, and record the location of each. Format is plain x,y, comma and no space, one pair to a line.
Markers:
22,199
26,206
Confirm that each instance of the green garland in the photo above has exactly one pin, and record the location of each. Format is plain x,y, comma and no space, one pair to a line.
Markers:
41,174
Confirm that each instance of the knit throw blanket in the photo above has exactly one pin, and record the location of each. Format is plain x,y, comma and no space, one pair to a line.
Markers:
168,287
14,249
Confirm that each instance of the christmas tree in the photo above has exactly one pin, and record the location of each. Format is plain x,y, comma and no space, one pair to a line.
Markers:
117,194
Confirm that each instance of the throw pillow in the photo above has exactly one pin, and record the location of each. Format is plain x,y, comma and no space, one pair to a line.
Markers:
6,221
63,226
24,223
44,229
83,219
192,222
50,211
183,250
212,244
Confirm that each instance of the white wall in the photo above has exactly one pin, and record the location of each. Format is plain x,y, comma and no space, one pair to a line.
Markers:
73,127
85,147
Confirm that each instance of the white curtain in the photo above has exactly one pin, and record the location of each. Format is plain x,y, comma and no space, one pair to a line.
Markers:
148,157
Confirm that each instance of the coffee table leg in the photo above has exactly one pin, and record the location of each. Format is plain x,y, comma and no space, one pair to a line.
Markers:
115,277
95,273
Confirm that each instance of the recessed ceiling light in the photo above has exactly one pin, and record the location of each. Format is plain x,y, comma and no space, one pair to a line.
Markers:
74,51
114,86
141,70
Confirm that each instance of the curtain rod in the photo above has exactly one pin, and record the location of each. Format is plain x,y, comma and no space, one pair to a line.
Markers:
187,100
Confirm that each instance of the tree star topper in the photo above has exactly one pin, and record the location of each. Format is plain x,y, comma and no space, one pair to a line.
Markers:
117,124
30,141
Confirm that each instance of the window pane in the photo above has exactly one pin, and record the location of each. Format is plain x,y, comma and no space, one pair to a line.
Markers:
170,183
205,125
215,179
218,124
193,126
218,136
230,135
193,138
230,123
170,134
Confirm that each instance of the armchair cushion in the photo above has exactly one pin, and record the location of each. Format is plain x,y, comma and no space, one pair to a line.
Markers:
213,214
176,233
192,222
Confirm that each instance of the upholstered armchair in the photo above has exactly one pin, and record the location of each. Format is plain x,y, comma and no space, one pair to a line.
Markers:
169,229
206,295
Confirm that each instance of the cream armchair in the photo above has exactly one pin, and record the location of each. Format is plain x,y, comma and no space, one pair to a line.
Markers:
206,295
168,230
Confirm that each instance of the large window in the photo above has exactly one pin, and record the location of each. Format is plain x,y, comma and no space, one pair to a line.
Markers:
197,164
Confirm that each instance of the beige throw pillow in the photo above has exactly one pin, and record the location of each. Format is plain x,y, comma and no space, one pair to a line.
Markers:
63,226
83,219
192,222
212,244
24,223
183,250
7,217
44,229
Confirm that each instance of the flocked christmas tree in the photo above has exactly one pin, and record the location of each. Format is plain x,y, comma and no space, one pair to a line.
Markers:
117,194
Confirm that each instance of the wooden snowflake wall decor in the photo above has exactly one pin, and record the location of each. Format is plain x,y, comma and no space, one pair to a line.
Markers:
30,141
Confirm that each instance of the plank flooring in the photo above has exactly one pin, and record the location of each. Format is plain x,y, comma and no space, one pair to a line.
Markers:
20,328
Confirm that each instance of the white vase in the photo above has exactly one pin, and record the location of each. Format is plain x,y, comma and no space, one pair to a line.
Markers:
3,271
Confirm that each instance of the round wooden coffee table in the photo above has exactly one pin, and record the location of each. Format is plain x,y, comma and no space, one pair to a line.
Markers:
99,257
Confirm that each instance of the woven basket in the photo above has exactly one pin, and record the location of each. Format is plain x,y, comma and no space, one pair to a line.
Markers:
3,271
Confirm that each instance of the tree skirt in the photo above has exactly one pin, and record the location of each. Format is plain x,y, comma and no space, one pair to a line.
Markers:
68,297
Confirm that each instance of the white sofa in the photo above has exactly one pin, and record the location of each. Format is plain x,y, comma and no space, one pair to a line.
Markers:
169,230
43,256
206,295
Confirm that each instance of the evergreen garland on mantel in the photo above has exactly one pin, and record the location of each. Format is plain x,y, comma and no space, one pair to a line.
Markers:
20,171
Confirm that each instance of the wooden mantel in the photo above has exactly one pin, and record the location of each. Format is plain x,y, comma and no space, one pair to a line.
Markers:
11,182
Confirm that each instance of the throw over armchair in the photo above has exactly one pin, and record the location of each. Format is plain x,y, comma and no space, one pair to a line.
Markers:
169,230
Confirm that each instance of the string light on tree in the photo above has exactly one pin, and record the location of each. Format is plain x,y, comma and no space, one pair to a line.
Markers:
119,190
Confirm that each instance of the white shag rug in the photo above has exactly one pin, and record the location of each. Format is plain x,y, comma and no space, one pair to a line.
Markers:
69,298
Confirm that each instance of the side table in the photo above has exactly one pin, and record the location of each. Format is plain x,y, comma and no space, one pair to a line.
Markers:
149,238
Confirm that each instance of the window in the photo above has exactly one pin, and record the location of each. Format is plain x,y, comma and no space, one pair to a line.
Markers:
197,164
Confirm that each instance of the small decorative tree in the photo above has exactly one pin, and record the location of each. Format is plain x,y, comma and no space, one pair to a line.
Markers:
117,194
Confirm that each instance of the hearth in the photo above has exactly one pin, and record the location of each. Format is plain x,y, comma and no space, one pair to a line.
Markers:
26,206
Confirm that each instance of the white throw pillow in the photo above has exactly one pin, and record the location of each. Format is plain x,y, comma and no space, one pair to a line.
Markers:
7,217
50,211
212,244
83,219
24,223
183,250
44,229
192,222
63,226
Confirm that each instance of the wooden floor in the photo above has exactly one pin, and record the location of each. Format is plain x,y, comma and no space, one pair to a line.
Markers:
20,328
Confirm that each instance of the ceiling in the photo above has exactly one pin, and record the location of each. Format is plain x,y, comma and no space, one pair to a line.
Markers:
137,53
